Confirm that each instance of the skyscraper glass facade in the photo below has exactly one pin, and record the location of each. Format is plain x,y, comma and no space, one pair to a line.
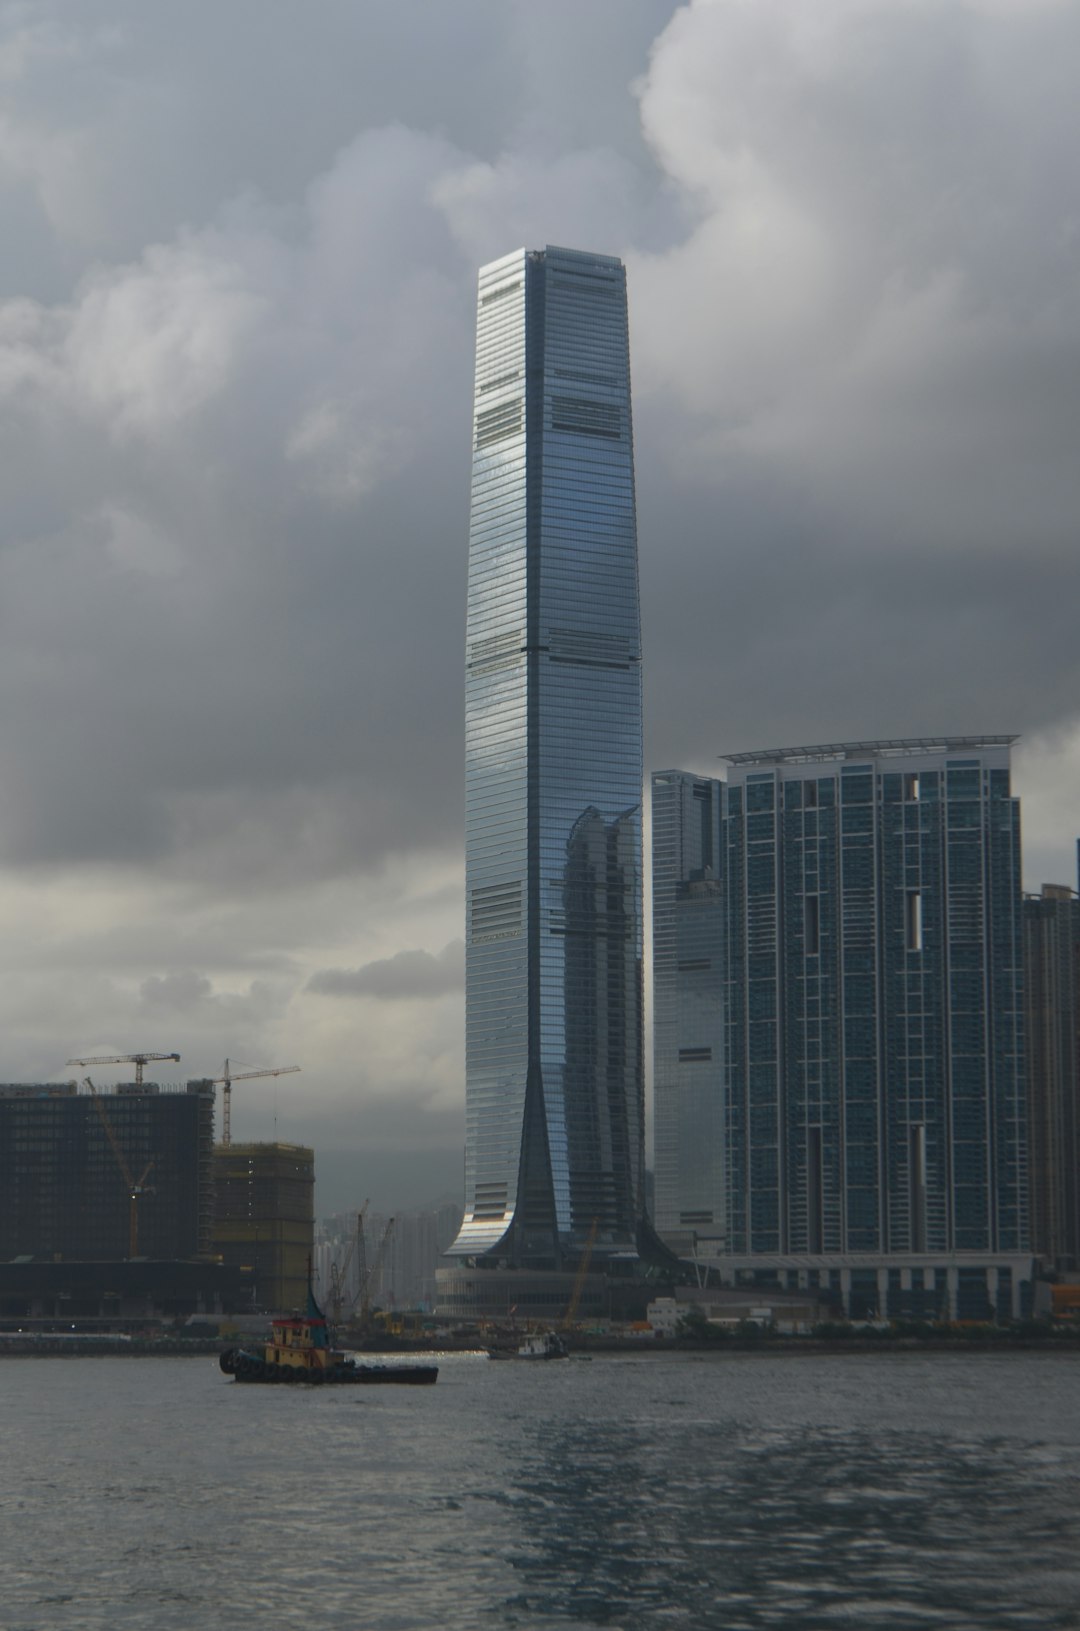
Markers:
554,1080
874,1000
688,1009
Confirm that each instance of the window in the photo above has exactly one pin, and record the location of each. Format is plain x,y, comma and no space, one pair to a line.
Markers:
499,294
587,418
815,1192
500,380
496,912
811,925
917,1186
490,1201
493,424
913,920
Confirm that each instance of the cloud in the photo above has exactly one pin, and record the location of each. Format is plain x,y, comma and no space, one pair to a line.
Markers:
235,388
216,453
173,991
406,975
151,344
855,372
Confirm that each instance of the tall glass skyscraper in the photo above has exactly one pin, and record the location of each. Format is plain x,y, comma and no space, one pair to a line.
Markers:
554,1078
688,1009
876,1096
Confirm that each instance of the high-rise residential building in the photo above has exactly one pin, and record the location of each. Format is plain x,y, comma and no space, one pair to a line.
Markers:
1052,1037
876,1096
416,1245
554,1078
688,1010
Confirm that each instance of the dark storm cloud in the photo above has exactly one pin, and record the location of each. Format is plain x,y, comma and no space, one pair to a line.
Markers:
236,322
242,337
408,974
227,563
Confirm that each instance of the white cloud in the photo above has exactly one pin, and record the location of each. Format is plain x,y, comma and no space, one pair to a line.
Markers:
151,344
407,975
586,198
886,218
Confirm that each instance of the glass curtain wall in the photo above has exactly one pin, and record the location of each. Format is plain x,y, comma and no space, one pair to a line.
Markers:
876,1090
554,1080
688,1010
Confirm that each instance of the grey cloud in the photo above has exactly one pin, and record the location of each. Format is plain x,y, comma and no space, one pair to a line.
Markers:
235,381
175,991
408,974
856,373
239,458
125,119
238,643
393,1178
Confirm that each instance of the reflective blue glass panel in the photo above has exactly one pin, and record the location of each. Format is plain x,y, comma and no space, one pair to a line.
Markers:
554,1080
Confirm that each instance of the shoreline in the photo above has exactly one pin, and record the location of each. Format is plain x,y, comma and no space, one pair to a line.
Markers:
741,1348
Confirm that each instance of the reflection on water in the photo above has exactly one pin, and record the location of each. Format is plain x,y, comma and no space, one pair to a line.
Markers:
720,1493
799,1526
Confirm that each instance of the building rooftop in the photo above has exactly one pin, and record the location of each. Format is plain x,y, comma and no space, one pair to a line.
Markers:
883,749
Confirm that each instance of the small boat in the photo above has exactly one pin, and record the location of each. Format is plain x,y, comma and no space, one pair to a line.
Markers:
543,1345
300,1351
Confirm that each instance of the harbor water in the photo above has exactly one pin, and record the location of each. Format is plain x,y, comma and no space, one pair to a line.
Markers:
720,1491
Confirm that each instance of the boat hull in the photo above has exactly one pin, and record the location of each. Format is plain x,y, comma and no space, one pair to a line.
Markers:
245,1367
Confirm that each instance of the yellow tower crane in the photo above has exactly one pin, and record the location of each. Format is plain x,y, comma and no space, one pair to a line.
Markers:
579,1279
136,1059
135,1187
226,1080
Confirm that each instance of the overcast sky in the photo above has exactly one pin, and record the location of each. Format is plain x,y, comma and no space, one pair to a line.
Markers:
237,292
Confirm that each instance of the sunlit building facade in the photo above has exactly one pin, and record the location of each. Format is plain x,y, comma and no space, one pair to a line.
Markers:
554,1094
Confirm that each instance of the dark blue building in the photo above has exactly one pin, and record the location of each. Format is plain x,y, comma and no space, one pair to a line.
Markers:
1052,1035
874,1001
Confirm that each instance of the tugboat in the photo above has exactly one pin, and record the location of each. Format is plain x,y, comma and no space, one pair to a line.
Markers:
300,1350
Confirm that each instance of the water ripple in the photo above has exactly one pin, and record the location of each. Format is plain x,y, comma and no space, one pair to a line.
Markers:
817,1494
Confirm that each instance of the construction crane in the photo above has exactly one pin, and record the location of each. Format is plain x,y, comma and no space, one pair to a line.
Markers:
136,1059
226,1080
367,1289
135,1187
579,1278
339,1274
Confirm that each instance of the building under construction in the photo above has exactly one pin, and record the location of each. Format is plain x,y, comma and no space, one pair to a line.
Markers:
265,1218
106,1203
107,1175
